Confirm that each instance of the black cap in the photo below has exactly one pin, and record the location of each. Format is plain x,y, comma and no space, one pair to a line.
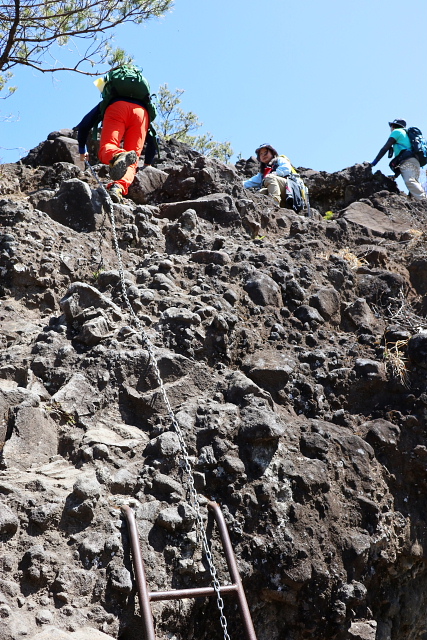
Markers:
266,146
398,123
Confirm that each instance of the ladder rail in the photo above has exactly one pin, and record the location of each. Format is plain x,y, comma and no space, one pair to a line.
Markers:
146,597
234,571
140,577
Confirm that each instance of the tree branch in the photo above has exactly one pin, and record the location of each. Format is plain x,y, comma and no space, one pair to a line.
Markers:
11,37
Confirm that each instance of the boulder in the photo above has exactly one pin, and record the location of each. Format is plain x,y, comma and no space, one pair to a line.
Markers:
327,302
417,350
74,205
60,146
308,315
8,520
81,296
147,180
210,257
358,316
417,268
33,440
218,207
263,290
77,397
370,218
363,630
269,369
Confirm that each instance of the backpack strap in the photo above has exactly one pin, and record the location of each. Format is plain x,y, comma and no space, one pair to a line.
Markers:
95,126
153,134
282,155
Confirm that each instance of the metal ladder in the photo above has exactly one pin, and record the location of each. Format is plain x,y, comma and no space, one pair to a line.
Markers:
146,596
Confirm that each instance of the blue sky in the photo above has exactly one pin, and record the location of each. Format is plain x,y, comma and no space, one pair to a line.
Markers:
317,79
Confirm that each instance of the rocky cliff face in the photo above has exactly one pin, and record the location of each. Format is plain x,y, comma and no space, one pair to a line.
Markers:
293,351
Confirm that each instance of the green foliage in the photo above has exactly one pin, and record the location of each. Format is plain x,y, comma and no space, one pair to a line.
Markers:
207,146
97,273
174,122
117,57
328,215
4,79
30,31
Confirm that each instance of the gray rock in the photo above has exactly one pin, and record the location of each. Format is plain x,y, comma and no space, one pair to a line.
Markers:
147,180
327,303
164,485
182,316
362,214
33,441
166,444
93,331
111,277
308,314
8,520
363,630
92,548
379,287
382,434
124,482
360,316
216,207
233,465
121,580
313,445
263,291
74,205
260,425
60,146
170,519
240,386
210,257
417,350
87,487
81,296
77,396
374,255
130,438
417,268
44,616
72,580
370,369
269,369
53,633
46,516
294,291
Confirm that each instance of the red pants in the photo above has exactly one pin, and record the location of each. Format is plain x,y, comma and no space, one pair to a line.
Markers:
128,122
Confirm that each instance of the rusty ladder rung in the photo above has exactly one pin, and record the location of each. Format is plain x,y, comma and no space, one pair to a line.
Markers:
146,596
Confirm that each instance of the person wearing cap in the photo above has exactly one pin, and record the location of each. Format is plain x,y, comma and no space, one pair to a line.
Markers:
271,178
408,164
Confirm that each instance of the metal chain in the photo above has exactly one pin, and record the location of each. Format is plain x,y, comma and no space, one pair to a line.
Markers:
193,496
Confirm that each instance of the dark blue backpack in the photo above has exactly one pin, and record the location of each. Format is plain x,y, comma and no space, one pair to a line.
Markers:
419,145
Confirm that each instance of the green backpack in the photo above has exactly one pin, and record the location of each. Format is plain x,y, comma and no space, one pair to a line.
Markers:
127,81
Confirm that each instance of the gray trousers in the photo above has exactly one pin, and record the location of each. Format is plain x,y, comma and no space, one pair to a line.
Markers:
410,170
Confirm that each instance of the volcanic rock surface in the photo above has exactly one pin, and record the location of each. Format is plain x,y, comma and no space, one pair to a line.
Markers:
293,352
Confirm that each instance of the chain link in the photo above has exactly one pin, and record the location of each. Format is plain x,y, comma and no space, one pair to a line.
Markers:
193,496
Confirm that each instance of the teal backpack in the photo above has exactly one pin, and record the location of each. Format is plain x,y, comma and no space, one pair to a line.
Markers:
127,81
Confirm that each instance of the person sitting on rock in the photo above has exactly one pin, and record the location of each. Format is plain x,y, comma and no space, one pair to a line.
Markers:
127,120
272,178
408,166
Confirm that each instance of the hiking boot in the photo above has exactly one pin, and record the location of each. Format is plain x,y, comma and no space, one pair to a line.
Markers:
120,163
116,193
